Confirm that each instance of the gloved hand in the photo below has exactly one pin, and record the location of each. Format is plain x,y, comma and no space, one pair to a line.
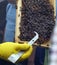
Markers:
8,48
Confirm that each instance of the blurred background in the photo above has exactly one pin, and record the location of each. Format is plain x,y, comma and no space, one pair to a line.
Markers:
3,4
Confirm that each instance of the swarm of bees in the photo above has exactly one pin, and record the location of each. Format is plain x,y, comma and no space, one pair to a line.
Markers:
37,15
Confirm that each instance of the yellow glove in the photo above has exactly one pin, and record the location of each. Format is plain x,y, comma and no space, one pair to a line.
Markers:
8,48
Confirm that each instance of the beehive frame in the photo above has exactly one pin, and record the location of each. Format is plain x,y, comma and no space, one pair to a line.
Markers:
18,19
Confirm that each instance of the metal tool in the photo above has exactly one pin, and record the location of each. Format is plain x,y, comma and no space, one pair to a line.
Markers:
14,57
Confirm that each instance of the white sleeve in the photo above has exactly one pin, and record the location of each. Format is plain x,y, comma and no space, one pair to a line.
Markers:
53,55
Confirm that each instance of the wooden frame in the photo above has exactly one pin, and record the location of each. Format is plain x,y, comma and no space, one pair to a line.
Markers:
18,20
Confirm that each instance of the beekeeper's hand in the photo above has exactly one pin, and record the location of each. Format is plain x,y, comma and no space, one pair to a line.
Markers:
8,48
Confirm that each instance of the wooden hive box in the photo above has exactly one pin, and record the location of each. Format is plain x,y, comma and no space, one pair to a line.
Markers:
18,18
